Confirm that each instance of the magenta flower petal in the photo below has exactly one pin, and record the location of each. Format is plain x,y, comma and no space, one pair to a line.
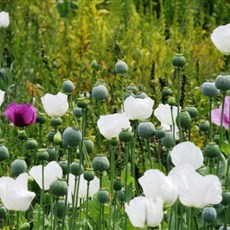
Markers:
21,114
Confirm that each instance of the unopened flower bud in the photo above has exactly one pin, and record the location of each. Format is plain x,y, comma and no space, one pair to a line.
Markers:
94,65
4,152
59,187
57,139
103,196
50,136
18,166
100,163
76,168
166,92
121,67
89,174
209,214
121,195
171,101
117,185
72,137
68,86
146,129
113,141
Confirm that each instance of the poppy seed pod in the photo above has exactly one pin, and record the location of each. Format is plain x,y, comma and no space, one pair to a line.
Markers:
117,185
4,152
146,129
185,119
168,140
72,137
209,89
31,144
64,166
100,163
41,119
59,187
89,145
42,155
222,82
212,150
55,121
225,198
18,166
103,196
192,110
204,126
22,135
99,91
77,112
89,174
121,67
171,101
125,136
178,60
209,214
160,133
50,136
68,86
76,168
59,208
82,102
2,213
132,88
121,195
113,141
166,92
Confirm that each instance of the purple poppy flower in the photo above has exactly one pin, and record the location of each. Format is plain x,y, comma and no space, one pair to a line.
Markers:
216,114
21,114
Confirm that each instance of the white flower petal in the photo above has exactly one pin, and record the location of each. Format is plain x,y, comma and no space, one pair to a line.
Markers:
4,19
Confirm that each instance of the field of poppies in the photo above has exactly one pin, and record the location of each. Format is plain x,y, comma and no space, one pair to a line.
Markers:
114,115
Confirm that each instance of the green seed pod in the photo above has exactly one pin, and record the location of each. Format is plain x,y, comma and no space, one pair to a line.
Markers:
77,112
146,129
209,214
225,198
192,110
68,86
42,155
167,140
121,67
222,82
114,141
59,187
18,166
125,136
166,92
100,92
171,101
89,174
160,133
50,136
204,126
4,152
22,135
94,65
31,144
82,102
216,139
185,119
47,198
121,195
2,212
178,60
64,166
76,168
212,150
52,154
132,88
72,137
117,185
141,95
103,196
100,163
25,226
41,118
57,139
89,145
209,89
55,121
59,208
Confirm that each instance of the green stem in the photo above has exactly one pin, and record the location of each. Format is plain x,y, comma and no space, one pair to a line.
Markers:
227,176
51,210
126,178
191,210
221,119
178,101
17,216
149,153
122,92
87,205
210,118
173,124
42,198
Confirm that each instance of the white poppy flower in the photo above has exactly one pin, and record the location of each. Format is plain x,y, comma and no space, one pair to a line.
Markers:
52,171
55,105
163,114
94,186
111,125
154,184
187,153
2,94
14,194
221,38
194,189
138,108
4,19
144,212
